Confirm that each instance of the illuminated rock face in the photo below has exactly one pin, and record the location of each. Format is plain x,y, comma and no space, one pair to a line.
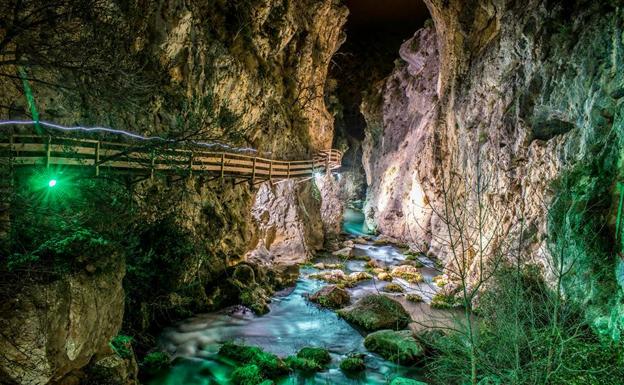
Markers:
527,127
400,113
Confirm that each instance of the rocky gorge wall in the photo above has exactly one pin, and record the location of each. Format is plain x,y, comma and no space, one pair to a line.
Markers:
519,132
250,74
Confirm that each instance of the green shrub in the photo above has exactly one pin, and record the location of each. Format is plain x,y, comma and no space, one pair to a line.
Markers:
122,346
443,301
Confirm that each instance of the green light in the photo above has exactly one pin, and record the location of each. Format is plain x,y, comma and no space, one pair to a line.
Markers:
52,183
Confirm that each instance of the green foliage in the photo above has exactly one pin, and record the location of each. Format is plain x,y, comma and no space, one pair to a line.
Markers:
405,381
318,355
247,375
269,364
122,346
155,362
353,364
61,230
303,364
527,334
396,346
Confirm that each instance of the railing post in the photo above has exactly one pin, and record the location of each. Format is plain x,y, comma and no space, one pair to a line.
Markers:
313,165
327,162
271,170
253,172
152,162
288,171
222,164
191,164
48,150
97,158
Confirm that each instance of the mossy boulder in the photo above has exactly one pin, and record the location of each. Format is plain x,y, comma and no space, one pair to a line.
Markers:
444,301
396,346
269,364
413,297
331,296
319,355
303,364
406,381
247,375
375,312
408,273
353,364
393,288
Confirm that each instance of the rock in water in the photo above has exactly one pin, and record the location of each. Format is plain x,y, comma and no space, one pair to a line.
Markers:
395,346
375,312
331,296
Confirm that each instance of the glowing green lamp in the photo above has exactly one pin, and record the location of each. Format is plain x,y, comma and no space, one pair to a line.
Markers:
52,183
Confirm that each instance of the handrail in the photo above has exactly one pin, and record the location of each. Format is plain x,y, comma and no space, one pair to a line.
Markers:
32,150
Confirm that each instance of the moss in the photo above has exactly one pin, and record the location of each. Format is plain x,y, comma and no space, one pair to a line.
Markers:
319,355
155,362
375,312
393,288
270,365
353,364
412,297
443,301
408,273
303,364
396,346
247,375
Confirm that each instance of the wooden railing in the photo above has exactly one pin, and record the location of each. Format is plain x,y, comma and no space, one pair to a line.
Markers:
36,150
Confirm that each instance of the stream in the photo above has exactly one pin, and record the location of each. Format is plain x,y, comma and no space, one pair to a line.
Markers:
293,323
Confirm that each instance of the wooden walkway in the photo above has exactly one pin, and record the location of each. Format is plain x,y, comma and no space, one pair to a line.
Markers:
148,159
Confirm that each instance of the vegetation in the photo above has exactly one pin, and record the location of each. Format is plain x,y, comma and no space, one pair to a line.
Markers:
318,355
154,362
269,365
303,364
247,375
396,346
122,346
353,364
375,312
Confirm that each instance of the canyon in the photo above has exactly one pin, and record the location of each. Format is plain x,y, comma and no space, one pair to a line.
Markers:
479,136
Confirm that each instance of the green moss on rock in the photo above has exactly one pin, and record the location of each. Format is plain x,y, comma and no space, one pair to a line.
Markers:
375,312
353,364
270,365
247,375
396,346
319,355
303,364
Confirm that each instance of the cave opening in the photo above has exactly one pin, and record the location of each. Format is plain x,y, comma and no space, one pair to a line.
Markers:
374,34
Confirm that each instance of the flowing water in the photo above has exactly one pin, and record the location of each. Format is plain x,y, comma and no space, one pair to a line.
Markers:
292,323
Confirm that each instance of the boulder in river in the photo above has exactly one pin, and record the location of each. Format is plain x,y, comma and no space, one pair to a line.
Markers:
408,273
344,252
375,312
396,346
331,296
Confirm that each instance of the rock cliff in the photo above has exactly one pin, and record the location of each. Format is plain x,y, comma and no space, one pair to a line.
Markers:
251,74
519,134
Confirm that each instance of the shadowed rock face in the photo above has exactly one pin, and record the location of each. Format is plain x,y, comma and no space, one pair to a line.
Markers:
527,102
252,71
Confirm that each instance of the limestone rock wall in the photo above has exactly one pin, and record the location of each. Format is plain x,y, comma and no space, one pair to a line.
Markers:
526,142
250,74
